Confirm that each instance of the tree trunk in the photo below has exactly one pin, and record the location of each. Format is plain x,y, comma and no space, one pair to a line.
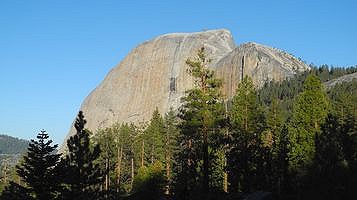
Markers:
132,173
168,172
152,155
225,182
142,153
246,118
205,161
225,176
106,174
120,157
189,160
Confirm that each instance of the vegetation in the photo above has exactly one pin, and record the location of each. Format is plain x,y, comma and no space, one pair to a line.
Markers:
37,171
11,151
12,145
288,140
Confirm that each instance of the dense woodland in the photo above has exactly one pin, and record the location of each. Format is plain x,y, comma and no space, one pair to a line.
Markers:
288,140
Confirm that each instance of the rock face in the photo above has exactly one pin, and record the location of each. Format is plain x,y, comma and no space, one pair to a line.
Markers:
345,78
154,74
260,62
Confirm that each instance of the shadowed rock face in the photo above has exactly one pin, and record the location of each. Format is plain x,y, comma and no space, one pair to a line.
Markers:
154,74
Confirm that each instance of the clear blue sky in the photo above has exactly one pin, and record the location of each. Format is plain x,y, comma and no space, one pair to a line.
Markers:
54,52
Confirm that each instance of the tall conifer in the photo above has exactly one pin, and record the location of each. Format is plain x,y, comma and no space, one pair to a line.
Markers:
38,168
82,175
201,114
310,110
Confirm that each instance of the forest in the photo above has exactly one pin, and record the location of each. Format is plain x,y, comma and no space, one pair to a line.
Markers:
287,140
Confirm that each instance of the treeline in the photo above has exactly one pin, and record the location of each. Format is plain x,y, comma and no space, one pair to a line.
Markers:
289,140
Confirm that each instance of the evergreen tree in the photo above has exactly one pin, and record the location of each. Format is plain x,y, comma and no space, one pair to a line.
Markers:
155,138
107,157
38,169
201,116
329,172
14,191
310,110
247,123
130,156
272,139
171,144
344,97
82,175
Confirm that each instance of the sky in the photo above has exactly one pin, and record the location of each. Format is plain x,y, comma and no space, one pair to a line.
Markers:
53,53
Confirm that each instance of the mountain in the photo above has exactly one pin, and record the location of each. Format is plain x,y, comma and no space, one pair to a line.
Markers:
154,74
260,62
345,78
12,145
11,151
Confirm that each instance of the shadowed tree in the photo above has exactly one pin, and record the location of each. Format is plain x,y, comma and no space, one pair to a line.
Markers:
14,191
82,175
38,169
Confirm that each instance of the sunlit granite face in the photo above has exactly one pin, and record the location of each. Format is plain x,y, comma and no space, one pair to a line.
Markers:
154,74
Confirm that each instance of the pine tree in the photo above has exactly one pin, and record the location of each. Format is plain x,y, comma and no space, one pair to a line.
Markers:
155,138
82,175
129,147
38,169
171,144
245,161
310,110
14,191
272,139
201,116
107,158
328,173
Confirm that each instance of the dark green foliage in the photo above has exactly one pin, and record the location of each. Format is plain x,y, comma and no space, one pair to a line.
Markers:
247,156
38,168
330,168
150,182
130,143
287,141
82,176
287,90
201,116
106,139
15,191
310,109
344,98
171,144
155,137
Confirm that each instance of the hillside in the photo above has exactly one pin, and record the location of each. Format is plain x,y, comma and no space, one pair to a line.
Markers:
12,145
342,79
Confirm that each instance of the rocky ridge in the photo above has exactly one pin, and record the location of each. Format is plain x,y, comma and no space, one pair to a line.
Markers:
346,78
154,75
